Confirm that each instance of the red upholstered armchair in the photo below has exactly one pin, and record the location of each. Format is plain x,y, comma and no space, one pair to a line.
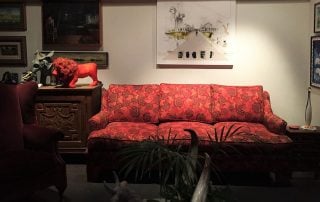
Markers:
29,160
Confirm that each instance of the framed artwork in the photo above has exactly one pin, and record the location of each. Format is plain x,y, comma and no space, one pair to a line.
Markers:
101,58
13,51
71,25
193,33
317,18
12,17
315,62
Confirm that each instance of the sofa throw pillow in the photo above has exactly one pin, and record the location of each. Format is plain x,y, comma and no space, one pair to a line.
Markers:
133,103
185,102
237,103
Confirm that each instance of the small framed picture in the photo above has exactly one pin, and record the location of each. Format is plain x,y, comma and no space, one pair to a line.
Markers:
317,17
315,62
12,17
98,57
13,51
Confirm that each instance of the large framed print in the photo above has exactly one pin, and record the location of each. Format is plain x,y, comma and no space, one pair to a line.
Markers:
12,17
13,51
315,62
71,25
316,24
195,32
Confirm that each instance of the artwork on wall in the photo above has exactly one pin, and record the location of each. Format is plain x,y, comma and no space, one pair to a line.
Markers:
315,62
98,57
195,32
71,25
12,17
13,51
317,18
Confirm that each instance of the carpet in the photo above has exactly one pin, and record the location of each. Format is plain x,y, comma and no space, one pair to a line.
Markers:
303,188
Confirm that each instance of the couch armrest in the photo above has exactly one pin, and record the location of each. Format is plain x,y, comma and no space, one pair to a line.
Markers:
41,138
273,122
98,121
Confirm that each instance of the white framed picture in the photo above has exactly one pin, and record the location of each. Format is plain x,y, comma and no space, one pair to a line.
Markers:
195,32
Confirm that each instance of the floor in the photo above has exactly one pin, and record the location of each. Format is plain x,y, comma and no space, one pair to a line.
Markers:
303,188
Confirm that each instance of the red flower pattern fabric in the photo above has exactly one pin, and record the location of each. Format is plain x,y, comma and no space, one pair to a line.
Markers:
126,131
245,132
237,103
271,121
129,111
185,102
174,133
219,132
118,133
104,99
100,120
133,103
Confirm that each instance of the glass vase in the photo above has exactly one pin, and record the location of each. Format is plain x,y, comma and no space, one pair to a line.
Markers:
308,110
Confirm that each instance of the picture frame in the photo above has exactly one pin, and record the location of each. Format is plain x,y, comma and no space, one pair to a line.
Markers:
73,25
13,17
196,34
316,24
101,58
315,62
13,51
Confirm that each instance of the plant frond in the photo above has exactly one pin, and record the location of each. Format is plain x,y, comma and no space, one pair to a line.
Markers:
216,135
169,136
221,134
170,160
235,132
228,132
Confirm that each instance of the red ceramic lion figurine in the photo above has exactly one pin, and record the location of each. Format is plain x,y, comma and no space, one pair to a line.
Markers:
68,71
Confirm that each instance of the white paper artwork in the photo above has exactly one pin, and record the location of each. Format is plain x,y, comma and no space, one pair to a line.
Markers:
195,32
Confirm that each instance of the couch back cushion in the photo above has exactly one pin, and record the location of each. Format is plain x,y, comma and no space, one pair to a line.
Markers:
11,120
27,92
185,102
133,103
237,103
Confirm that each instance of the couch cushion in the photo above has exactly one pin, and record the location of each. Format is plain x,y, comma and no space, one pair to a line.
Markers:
11,120
27,92
174,131
245,132
133,103
237,103
117,134
185,102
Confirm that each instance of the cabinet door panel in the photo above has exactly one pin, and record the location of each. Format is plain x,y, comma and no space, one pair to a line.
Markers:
68,110
64,116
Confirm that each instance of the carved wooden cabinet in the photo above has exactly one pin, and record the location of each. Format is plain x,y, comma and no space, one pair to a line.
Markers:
68,109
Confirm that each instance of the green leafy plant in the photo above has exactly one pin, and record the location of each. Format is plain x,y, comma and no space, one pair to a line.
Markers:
178,168
218,139
169,161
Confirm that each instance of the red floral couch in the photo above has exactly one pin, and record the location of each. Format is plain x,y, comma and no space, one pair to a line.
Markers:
136,112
